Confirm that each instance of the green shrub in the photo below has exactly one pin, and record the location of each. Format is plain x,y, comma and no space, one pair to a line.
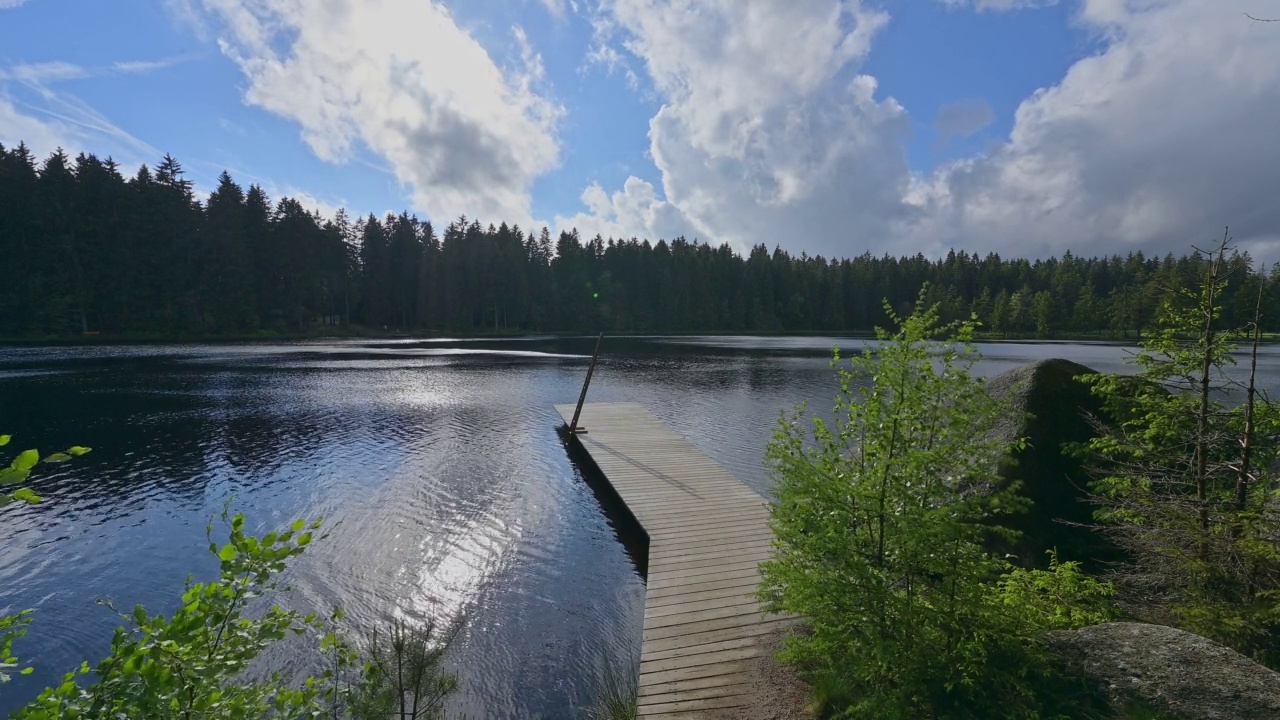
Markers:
191,664
1061,597
882,523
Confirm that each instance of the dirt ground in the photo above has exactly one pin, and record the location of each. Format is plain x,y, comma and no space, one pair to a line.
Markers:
782,694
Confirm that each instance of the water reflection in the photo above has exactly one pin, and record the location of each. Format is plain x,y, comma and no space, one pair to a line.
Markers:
436,463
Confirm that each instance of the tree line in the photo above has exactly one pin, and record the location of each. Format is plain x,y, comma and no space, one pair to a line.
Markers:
89,250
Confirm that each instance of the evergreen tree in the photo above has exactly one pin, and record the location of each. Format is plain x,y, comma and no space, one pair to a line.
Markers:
100,253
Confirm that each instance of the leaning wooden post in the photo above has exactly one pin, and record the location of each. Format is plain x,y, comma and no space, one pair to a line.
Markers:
573,425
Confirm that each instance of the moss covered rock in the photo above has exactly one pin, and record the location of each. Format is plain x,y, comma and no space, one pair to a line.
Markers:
1175,673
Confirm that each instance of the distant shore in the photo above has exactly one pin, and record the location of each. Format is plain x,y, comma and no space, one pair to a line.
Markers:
346,332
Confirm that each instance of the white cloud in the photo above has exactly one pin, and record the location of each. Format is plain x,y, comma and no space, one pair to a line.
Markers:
10,4
1000,5
602,54
34,111
1159,141
767,134
58,71
187,15
560,9
963,118
326,208
636,210
142,67
400,78
68,123
42,137
38,73
231,127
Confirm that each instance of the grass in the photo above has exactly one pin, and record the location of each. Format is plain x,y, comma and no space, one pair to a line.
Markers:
617,700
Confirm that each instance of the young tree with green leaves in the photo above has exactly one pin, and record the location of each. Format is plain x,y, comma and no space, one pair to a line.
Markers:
195,663
883,521
191,664
1186,473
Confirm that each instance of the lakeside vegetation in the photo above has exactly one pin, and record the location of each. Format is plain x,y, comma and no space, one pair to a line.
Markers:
885,520
202,661
143,257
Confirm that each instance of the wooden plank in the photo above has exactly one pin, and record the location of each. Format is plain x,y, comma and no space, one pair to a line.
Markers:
715,691
686,706
702,590
725,598
724,669
667,578
721,623
696,650
693,640
742,538
701,615
714,657
708,533
659,689
658,586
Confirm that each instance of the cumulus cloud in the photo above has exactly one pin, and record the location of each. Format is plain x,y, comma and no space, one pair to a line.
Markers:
962,118
766,133
402,79
625,213
1156,142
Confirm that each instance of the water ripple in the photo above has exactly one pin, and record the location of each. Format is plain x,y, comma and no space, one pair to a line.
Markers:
444,487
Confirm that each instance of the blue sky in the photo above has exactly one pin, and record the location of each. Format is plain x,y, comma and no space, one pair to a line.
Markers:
833,126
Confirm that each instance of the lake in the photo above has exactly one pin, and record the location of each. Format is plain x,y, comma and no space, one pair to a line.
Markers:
436,464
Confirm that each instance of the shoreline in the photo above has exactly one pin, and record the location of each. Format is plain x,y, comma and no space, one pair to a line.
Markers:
365,333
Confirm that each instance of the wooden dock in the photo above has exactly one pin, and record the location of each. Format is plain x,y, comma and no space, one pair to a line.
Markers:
708,532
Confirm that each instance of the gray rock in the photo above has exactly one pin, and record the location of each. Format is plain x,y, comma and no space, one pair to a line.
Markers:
1049,406
1170,671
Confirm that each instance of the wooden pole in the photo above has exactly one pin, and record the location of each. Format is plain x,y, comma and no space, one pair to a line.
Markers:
573,425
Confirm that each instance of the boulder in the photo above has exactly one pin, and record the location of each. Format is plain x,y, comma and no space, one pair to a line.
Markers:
1049,406
1170,671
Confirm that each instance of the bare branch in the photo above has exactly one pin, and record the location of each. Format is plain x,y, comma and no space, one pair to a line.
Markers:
1257,19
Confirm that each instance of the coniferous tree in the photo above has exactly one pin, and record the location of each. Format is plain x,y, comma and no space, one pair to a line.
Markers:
94,251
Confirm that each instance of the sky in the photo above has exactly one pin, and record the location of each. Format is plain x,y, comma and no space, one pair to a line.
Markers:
832,127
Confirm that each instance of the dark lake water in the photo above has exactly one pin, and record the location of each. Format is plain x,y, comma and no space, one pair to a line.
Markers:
436,464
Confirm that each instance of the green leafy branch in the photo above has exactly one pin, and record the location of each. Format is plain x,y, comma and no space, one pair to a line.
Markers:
191,664
20,468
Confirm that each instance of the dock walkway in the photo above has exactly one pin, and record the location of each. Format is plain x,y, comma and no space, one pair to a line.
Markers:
707,533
